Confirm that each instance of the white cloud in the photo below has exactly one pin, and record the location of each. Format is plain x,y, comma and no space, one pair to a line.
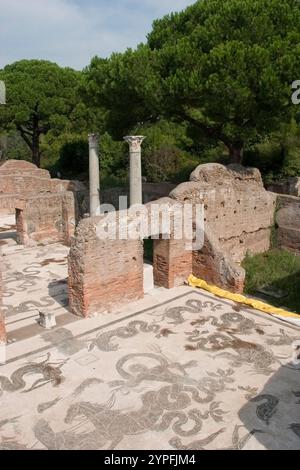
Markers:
71,32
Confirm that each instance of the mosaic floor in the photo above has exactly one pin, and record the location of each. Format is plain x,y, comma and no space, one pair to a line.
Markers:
179,369
189,372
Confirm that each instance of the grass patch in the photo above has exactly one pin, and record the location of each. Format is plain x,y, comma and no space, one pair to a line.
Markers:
276,269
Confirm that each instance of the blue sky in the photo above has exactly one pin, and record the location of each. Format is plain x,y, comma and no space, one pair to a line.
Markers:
71,32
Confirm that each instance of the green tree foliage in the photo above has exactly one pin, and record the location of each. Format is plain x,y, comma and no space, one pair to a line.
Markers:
167,151
227,66
13,146
223,66
42,100
74,158
119,85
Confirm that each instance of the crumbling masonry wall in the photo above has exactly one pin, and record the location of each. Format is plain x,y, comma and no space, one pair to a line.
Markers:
239,212
106,273
288,223
238,218
47,218
46,209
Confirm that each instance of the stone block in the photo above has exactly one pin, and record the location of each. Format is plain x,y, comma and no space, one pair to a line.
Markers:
47,320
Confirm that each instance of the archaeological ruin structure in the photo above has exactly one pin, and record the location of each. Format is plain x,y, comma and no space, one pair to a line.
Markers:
239,216
46,208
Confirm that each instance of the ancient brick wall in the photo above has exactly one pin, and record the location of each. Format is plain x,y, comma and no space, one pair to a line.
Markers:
21,167
239,212
172,263
19,178
2,321
238,218
103,273
46,218
288,222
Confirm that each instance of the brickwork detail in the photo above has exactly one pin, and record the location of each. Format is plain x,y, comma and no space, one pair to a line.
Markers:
46,209
103,273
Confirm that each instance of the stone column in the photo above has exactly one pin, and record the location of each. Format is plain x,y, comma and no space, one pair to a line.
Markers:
136,190
94,175
2,92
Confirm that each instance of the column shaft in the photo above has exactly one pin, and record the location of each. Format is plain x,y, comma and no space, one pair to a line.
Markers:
94,173
135,172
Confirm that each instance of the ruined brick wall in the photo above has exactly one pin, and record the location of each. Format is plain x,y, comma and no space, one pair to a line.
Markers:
103,273
239,212
19,178
172,257
46,218
172,263
216,266
238,218
21,167
288,223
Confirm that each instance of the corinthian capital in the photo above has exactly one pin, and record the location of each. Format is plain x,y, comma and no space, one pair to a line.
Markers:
93,141
135,142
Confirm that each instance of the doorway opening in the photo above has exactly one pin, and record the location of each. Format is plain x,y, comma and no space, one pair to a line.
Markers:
148,265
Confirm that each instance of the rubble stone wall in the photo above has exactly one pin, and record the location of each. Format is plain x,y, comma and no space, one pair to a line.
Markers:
288,223
46,218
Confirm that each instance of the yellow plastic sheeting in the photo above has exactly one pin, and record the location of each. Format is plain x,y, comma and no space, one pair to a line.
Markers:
263,307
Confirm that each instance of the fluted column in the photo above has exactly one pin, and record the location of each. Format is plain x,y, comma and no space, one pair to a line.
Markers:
94,175
135,152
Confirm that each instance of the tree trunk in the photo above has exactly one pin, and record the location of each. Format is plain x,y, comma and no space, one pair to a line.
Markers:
36,154
236,152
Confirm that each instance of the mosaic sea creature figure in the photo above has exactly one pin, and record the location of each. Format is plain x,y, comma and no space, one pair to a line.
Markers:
266,410
50,372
